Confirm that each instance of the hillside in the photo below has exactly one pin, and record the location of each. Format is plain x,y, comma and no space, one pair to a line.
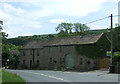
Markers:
21,40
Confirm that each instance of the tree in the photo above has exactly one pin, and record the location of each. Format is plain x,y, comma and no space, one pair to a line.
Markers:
80,28
5,54
59,28
116,57
70,27
14,61
116,38
1,22
66,27
4,35
62,34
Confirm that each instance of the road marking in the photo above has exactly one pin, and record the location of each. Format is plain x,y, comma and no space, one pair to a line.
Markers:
66,72
47,76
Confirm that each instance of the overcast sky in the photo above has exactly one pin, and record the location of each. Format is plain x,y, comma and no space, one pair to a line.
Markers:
36,17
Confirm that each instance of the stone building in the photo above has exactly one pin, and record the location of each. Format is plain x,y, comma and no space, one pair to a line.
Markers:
60,52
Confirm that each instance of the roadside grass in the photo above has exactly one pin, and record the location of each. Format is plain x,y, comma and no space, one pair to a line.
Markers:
10,78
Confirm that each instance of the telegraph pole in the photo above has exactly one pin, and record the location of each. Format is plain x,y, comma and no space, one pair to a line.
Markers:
111,33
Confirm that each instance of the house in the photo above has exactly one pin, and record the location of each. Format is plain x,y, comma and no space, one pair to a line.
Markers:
64,52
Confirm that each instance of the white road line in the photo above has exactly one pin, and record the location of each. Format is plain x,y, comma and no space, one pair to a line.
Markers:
67,72
47,76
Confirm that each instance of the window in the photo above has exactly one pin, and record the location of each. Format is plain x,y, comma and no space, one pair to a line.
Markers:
60,49
37,52
30,63
55,61
80,47
23,53
30,52
50,59
18,62
81,61
50,49
24,62
60,60
37,62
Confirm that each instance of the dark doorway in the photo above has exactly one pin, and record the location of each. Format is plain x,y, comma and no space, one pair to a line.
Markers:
38,62
30,63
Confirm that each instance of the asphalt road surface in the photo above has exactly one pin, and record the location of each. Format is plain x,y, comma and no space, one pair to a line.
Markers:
67,76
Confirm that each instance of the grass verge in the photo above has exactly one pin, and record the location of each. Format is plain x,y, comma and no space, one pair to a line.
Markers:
10,78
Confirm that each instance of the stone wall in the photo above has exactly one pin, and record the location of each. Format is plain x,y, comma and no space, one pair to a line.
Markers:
51,57
117,67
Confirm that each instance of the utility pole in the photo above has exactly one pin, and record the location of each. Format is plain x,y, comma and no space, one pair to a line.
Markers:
111,33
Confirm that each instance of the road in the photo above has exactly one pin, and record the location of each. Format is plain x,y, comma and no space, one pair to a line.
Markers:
67,76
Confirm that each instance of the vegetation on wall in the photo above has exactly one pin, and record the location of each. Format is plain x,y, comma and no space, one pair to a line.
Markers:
97,50
116,38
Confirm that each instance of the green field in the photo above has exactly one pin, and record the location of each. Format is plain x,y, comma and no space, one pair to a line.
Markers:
10,78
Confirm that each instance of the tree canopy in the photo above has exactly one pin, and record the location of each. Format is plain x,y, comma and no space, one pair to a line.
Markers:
66,29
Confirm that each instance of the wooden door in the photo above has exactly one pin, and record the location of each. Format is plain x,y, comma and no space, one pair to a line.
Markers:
69,61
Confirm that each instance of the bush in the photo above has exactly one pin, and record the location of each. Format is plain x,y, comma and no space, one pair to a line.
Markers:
12,67
116,57
63,69
35,66
24,66
55,68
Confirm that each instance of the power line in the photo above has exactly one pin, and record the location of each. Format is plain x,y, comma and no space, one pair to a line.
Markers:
116,15
97,20
101,19
45,22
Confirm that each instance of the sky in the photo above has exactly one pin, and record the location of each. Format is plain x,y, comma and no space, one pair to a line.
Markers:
38,17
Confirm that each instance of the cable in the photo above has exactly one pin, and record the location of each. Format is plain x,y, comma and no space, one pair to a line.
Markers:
94,20
97,20
116,15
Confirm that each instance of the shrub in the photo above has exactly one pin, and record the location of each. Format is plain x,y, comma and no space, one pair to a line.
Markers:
12,67
116,57
35,66
63,69
81,63
24,66
55,68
